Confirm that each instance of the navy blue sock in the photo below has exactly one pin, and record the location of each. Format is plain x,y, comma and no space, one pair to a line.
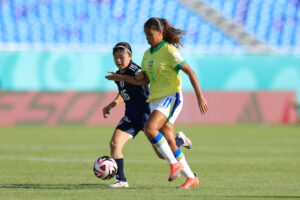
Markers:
120,174
179,142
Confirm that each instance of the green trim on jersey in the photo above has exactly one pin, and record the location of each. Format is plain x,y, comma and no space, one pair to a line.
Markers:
157,48
177,68
144,72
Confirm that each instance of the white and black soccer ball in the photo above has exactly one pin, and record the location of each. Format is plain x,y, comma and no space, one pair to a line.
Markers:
105,167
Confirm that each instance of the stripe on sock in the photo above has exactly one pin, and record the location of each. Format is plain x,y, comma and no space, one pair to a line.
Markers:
158,140
178,154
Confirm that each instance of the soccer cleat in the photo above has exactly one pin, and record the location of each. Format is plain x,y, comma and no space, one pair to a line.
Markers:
175,170
119,184
187,142
190,182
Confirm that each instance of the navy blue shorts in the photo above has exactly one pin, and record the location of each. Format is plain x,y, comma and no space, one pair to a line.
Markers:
130,127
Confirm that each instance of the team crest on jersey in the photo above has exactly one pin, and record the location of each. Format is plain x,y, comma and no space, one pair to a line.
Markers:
150,63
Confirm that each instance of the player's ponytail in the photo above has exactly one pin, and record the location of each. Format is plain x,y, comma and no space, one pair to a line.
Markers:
171,34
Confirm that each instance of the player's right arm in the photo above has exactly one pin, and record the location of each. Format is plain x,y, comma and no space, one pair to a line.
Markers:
118,100
138,80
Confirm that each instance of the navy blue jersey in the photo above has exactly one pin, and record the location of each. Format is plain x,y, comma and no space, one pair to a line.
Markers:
136,108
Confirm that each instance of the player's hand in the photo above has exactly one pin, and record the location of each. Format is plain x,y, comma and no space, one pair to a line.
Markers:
106,110
114,77
203,105
139,76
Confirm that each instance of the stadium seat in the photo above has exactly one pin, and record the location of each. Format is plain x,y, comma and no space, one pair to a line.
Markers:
104,22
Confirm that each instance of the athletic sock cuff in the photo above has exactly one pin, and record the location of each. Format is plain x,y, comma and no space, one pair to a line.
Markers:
158,140
178,154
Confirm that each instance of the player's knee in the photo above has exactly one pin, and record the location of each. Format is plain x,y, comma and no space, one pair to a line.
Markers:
171,141
113,144
150,131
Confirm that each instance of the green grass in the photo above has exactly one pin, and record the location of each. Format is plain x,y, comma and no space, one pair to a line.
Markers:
232,162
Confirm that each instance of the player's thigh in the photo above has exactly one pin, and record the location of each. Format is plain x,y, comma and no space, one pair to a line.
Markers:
155,122
119,138
125,131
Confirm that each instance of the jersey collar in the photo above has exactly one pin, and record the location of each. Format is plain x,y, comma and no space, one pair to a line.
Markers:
158,47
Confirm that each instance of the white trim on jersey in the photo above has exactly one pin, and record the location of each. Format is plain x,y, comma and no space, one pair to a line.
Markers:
137,71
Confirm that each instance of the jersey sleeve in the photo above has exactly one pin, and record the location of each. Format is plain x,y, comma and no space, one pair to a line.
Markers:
134,68
175,58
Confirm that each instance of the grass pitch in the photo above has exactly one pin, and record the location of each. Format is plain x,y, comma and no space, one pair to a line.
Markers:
232,162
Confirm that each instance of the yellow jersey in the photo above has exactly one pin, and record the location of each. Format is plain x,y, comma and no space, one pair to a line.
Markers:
162,67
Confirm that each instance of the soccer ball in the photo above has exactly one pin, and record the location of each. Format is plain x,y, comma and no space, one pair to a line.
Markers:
105,167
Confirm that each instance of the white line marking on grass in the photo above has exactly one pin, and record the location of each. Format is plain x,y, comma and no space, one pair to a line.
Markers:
48,147
45,159
68,160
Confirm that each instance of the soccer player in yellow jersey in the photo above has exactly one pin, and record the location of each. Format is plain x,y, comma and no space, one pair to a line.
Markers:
161,63
160,67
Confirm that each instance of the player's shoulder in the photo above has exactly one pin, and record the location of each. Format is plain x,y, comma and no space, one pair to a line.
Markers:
170,47
174,52
134,67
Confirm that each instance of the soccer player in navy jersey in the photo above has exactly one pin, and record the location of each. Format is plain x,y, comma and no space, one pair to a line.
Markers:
137,110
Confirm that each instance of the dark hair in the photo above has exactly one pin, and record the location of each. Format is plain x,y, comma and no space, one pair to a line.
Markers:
171,34
123,46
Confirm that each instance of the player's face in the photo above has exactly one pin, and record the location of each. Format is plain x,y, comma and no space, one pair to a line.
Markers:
153,36
122,59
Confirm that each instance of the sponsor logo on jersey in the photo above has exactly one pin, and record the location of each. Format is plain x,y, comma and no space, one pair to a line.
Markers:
177,56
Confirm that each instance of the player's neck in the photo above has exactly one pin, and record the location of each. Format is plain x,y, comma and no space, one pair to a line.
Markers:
124,69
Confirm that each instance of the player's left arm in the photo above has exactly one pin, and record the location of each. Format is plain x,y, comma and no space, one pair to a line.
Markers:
202,103
117,101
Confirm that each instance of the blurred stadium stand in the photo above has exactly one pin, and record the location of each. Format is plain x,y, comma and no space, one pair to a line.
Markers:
274,22
46,85
84,22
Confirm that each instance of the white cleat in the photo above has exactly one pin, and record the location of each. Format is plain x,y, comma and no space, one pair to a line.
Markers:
119,184
187,142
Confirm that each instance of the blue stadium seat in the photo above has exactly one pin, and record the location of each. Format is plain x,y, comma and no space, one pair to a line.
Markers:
105,22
